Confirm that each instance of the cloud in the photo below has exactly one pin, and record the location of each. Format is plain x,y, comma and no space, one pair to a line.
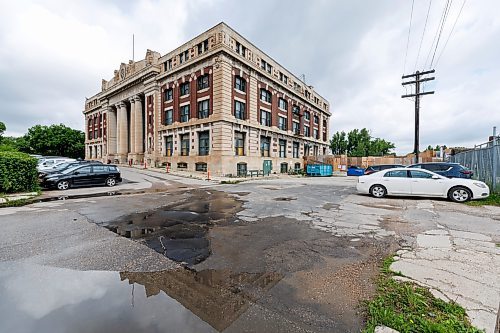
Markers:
55,54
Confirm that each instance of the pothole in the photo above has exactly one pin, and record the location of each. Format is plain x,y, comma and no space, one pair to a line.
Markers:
284,199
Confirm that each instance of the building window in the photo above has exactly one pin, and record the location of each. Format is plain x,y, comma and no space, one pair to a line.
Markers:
203,46
307,132
169,145
283,78
282,146
308,94
239,110
265,146
240,49
200,166
169,94
241,169
203,109
265,66
240,83
282,104
184,113
316,119
203,143
265,118
184,88
315,134
203,82
307,115
297,86
296,128
90,129
284,167
169,117
182,165
265,95
184,56
297,167
282,123
184,144
307,149
296,110
239,143
295,150
168,65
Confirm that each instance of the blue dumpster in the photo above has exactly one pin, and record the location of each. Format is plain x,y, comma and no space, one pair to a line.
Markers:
319,170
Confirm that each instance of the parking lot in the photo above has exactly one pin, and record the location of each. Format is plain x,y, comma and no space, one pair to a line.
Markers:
315,242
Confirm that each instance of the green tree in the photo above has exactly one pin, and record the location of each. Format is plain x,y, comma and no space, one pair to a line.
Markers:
359,143
2,129
54,140
429,147
338,143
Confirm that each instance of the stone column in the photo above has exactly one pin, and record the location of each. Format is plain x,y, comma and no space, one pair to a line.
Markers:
121,120
132,125
111,128
138,128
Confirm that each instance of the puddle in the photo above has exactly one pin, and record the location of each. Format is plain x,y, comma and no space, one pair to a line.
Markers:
82,196
180,231
47,299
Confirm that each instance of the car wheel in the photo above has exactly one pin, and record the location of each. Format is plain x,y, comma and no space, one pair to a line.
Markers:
378,191
110,182
63,185
459,194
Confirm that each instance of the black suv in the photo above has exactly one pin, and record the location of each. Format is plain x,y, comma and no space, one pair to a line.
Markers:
376,168
450,170
84,175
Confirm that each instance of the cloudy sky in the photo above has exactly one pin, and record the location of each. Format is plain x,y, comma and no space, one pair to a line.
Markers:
54,53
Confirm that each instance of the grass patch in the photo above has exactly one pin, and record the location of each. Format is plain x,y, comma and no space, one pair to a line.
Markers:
492,200
408,307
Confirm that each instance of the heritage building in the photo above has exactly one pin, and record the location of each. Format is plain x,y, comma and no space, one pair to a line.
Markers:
216,103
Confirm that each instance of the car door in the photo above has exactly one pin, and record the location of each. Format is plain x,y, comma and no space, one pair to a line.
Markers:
397,182
82,176
423,184
99,174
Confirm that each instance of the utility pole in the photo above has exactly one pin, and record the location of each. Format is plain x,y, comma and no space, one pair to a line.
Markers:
418,80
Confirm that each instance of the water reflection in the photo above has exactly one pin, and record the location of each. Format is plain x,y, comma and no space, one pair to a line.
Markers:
45,299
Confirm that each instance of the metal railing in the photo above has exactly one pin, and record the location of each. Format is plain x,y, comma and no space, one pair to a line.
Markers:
484,161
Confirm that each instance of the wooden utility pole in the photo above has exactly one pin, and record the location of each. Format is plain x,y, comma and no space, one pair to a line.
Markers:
418,80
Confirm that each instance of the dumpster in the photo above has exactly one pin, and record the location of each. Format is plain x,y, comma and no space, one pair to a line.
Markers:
319,170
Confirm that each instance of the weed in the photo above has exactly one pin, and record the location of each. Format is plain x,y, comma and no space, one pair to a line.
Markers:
492,200
408,307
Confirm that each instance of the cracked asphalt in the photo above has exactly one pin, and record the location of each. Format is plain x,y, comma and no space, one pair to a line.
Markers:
451,248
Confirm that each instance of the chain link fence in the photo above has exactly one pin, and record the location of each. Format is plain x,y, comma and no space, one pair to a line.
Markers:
484,161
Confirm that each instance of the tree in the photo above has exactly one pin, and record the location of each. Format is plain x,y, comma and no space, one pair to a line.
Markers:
2,129
359,143
56,140
429,147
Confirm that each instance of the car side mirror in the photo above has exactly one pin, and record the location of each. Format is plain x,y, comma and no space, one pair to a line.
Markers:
76,173
436,177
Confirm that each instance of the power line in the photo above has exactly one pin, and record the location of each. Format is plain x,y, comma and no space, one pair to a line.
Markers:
441,31
423,34
451,32
409,32
436,34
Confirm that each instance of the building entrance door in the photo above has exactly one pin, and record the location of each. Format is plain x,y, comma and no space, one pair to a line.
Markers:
267,167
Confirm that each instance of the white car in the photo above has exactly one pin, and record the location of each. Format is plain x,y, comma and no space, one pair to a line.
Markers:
49,163
419,182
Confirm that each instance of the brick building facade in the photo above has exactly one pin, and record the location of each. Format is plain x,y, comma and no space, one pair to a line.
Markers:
215,103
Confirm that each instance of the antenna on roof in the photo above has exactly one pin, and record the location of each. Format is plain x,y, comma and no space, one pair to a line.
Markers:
303,78
133,47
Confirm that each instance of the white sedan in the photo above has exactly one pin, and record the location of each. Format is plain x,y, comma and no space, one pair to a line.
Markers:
418,182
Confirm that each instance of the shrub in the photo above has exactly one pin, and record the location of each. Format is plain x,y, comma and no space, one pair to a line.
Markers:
18,172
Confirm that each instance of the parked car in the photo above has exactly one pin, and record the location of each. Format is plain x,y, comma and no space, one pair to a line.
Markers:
50,162
450,170
420,182
376,168
84,175
58,168
353,170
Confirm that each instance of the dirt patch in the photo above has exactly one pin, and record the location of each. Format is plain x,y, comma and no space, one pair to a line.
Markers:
179,230
330,206
325,277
